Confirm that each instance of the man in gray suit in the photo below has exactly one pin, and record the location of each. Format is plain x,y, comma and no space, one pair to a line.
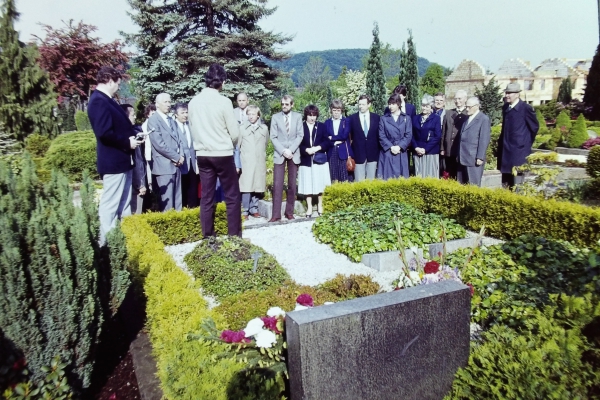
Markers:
167,154
286,135
240,110
474,141
189,168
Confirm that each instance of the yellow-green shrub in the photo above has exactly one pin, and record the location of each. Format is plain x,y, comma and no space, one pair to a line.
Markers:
175,308
593,162
72,153
504,214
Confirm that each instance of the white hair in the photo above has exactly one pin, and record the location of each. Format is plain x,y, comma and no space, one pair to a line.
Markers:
427,100
162,97
474,99
461,93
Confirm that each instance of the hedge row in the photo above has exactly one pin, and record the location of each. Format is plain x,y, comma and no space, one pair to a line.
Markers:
505,214
175,308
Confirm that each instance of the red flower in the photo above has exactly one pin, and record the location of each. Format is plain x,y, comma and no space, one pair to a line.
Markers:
19,364
445,175
234,337
432,267
305,300
471,288
271,323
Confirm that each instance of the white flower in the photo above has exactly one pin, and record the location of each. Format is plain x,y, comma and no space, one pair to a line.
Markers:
328,303
275,312
300,307
414,277
430,278
265,338
254,326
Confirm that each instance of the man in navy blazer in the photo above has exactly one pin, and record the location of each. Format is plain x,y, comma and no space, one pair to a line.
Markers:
364,134
474,141
519,127
115,145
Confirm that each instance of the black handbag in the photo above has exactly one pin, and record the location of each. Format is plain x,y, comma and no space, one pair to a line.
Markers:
320,158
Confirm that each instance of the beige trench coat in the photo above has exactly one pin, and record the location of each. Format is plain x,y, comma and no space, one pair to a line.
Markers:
253,154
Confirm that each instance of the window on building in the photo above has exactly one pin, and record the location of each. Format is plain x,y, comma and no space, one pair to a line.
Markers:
528,85
542,84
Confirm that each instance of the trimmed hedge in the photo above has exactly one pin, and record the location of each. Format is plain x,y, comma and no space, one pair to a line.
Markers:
593,162
505,214
72,153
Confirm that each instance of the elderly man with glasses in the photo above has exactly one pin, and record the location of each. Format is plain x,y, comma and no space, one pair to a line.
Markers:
474,141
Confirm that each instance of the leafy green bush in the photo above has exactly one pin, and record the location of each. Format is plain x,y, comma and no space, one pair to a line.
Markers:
37,144
593,162
54,385
592,189
542,158
355,231
351,287
563,122
72,153
82,121
224,265
556,138
504,214
578,134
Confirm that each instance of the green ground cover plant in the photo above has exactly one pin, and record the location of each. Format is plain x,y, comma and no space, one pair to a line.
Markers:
355,231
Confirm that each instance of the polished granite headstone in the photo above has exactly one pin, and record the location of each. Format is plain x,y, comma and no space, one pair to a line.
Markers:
405,344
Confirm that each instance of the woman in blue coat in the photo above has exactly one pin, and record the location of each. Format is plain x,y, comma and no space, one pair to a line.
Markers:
338,132
427,136
395,133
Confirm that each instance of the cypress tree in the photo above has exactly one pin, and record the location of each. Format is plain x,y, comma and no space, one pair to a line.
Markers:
564,91
57,285
412,73
578,134
27,100
403,74
179,40
592,88
490,99
375,77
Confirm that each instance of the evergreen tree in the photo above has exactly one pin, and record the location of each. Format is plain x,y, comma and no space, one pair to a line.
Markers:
57,285
578,134
490,97
179,40
564,91
403,74
563,121
541,122
375,77
433,80
592,88
329,95
409,72
27,99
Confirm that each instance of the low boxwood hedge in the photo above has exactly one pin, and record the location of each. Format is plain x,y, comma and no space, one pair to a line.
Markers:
72,153
505,214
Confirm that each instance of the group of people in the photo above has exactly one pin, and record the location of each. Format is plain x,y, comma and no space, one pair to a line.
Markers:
210,144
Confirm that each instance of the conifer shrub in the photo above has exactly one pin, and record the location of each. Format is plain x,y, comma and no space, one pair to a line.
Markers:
72,153
225,267
578,135
37,145
58,285
82,121
593,162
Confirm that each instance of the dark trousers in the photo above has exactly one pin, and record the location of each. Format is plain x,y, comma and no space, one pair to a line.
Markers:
510,180
189,190
451,166
278,175
210,169
470,175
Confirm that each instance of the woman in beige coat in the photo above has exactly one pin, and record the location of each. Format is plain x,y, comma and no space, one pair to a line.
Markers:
253,154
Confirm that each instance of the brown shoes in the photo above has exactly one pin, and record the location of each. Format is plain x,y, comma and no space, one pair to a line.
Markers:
274,219
289,216
256,215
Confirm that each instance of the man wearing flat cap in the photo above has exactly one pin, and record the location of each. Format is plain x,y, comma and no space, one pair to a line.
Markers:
519,127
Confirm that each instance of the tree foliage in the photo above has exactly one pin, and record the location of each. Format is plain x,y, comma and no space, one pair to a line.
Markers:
578,134
315,76
57,284
72,57
375,77
27,100
433,80
490,98
564,91
349,86
592,89
179,40
409,72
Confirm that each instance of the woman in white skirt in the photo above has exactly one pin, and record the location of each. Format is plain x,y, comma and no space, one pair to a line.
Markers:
313,175
426,139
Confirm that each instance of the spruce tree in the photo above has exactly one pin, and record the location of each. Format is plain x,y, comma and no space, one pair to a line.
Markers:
27,99
578,134
375,77
411,79
564,91
57,284
592,88
490,99
179,40
433,80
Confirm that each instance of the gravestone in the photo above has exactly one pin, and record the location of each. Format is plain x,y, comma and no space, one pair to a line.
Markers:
405,344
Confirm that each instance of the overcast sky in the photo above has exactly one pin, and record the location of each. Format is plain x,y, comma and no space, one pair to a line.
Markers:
445,31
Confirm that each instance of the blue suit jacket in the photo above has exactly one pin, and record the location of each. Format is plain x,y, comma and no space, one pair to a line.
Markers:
112,128
342,136
365,149
319,138
428,136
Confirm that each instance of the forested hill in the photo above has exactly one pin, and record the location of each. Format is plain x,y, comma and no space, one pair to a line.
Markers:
351,58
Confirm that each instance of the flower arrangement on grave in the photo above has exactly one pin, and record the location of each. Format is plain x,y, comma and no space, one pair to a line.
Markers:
419,271
260,345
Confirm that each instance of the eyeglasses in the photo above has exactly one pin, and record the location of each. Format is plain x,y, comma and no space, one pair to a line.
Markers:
285,104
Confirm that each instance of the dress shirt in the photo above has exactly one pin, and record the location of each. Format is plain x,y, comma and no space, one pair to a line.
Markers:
336,125
243,116
511,106
165,118
362,119
186,131
471,117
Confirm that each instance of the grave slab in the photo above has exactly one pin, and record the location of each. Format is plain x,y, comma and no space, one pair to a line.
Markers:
405,344
451,246
265,208
387,260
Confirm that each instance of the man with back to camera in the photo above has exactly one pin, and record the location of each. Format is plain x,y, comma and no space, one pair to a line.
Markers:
167,154
115,145
453,121
364,134
474,141
519,128
215,133
286,134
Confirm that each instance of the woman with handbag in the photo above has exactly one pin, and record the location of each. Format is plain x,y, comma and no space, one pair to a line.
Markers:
340,153
313,175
